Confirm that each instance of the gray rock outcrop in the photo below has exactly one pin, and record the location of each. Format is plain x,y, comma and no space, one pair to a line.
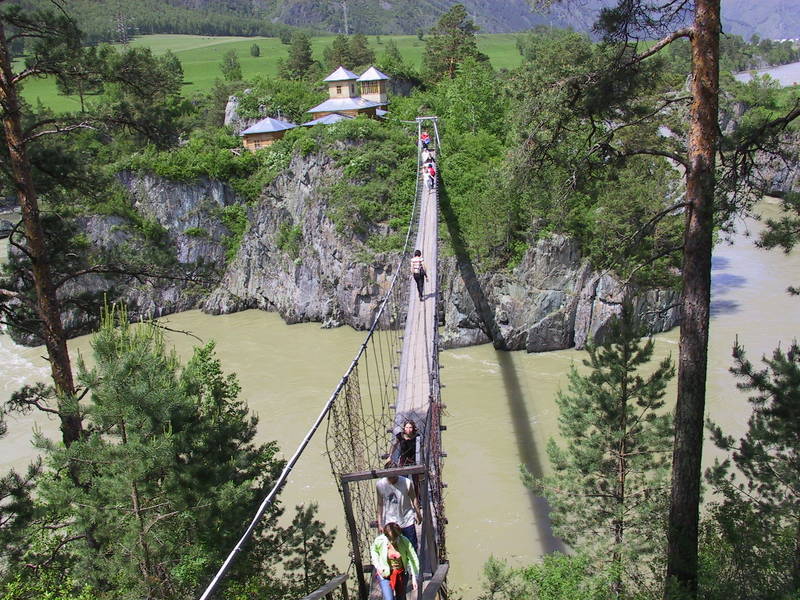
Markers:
293,260
551,300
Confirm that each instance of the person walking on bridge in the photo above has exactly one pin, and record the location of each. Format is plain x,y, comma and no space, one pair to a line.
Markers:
392,554
397,503
418,272
425,139
431,176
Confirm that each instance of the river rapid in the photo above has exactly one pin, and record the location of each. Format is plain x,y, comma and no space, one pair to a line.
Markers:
500,405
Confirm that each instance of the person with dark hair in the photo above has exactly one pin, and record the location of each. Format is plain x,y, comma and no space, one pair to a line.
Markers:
404,452
392,554
418,271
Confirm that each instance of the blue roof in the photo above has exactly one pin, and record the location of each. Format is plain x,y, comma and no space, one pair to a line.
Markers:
337,104
341,74
372,74
268,125
328,120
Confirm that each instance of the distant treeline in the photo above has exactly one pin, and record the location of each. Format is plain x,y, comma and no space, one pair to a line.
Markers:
116,21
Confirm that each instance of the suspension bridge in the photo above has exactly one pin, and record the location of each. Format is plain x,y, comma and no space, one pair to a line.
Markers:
393,378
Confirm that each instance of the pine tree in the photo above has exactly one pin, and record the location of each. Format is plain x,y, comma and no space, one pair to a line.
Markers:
451,41
338,53
300,60
167,478
609,485
361,55
762,496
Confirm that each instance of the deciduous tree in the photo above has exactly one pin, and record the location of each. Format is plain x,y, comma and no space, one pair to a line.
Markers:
231,67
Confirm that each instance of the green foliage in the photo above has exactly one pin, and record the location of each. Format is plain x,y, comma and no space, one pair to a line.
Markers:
255,50
289,239
338,53
289,99
452,40
230,66
557,577
234,217
378,162
300,62
218,155
168,474
48,586
197,232
161,485
784,232
608,486
361,55
760,506
583,129
742,557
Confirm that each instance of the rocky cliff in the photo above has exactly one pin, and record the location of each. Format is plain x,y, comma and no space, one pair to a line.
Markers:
292,260
552,300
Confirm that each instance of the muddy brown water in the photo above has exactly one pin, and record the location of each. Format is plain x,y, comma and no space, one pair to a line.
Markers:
500,406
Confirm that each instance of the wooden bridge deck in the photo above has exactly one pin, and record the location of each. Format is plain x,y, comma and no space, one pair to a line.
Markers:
413,390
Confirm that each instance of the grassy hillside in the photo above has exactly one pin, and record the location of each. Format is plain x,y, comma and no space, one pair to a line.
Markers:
201,56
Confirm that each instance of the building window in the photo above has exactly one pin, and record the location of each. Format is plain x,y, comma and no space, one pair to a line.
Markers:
370,87
338,89
352,89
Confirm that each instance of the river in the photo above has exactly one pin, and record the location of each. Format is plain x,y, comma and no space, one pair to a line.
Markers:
500,407
786,75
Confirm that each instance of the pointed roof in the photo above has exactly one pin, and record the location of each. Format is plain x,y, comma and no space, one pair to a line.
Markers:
372,74
341,74
268,125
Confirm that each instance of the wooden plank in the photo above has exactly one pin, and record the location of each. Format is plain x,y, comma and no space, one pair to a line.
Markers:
378,473
327,588
434,584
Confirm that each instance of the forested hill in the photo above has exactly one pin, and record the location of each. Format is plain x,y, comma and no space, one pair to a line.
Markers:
111,19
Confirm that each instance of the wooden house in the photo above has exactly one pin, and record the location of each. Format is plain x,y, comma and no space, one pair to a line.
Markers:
264,133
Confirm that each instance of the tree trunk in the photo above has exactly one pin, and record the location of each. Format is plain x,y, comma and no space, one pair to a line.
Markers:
47,305
693,348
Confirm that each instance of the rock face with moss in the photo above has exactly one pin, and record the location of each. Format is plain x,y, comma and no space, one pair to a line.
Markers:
285,253
292,259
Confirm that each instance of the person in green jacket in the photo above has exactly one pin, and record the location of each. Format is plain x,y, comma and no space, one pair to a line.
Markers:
392,554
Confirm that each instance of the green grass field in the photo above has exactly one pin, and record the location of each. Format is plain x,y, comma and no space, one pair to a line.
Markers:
202,55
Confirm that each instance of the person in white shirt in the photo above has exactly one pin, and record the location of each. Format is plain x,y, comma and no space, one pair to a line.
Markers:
398,503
